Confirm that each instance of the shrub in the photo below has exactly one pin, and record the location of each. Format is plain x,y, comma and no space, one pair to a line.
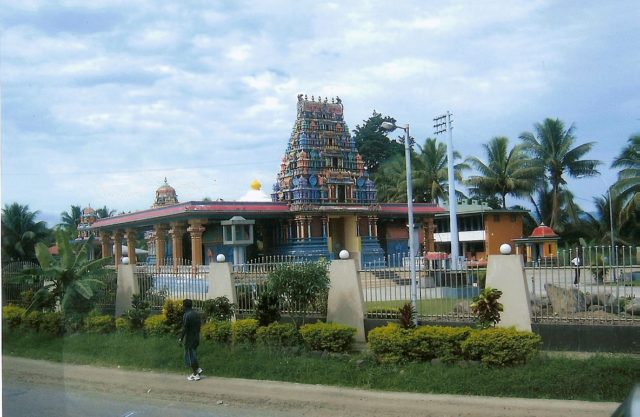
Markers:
244,331
406,315
217,331
173,311
123,325
501,346
73,322
96,323
52,323
487,308
140,310
429,342
332,337
220,309
32,320
12,315
299,286
267,308
156,325
388,343
278,335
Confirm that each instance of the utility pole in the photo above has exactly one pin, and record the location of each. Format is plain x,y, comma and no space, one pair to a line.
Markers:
444,124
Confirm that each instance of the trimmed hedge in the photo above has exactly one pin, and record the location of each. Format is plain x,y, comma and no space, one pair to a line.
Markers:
430,342
173,311
156,325
32,320
331,337
12,315
217,331
95,323
501,346
278,335
52,323
244,331
493,347
122,324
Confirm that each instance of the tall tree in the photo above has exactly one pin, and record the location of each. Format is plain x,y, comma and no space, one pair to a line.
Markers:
373,144
552,145
104,212
428,171
506,172
627,187
70,219
20,233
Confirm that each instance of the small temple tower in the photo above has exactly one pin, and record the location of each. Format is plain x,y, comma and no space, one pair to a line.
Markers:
165,195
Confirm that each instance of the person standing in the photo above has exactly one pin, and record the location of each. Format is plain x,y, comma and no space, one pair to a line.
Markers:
576,268
190,338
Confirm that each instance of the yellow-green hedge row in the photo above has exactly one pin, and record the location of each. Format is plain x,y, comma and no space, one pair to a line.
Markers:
493,347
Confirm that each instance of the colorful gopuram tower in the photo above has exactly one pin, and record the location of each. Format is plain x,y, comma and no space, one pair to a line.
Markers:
322,165
323,179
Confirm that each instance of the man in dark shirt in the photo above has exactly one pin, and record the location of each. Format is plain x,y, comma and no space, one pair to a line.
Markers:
190,338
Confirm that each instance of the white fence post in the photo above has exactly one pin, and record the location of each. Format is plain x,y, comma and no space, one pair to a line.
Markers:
506,273
346,305
220,282
127,287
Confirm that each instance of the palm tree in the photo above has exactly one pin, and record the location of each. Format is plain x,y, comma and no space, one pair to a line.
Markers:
71,219
21,232
507,172
627,187
428,171
104,212
552,145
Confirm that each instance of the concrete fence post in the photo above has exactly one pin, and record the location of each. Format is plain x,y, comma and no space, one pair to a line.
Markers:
346,303
220,282
506,273
127,287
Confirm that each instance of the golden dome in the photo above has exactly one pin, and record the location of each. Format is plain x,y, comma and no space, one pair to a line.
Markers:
255,185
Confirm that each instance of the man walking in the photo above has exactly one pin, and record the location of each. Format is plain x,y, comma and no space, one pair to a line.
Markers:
576,268
190,338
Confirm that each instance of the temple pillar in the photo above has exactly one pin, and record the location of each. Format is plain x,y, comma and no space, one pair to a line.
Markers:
117,246
290,230
309,221
105,240
176,232
196,229
131,246
325,226
374,220
161,243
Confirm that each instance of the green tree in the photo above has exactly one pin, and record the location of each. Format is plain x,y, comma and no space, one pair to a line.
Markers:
20,233
72,278
373,144
300,287
71,219
627,187
553,146
104,212
570,212
506,172
428,171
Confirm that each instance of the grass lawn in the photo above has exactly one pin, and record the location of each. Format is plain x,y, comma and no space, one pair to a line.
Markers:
600,378
432,306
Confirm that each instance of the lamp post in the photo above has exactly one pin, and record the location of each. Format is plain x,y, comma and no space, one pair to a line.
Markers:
444,124
390,127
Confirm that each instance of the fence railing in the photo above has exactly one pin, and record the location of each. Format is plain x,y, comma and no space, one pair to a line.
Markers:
600,286
173,280
441,294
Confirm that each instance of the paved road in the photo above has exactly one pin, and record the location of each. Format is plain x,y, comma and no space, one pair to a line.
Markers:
78,390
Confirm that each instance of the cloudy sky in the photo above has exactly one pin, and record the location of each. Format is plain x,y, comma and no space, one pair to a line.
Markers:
101,100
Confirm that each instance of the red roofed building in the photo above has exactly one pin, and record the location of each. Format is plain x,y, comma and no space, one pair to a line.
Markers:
541,247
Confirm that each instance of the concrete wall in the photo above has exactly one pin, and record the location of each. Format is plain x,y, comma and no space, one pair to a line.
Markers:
346,303
127,287
506,273
220,282
499,229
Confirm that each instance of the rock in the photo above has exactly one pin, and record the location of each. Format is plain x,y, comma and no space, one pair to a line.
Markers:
436,361
633,307
596,307
462,307
602,299
565,300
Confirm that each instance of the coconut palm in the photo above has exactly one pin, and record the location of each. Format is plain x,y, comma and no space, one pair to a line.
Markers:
71,219
507,172
104,212
21,232
628,184
552,145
